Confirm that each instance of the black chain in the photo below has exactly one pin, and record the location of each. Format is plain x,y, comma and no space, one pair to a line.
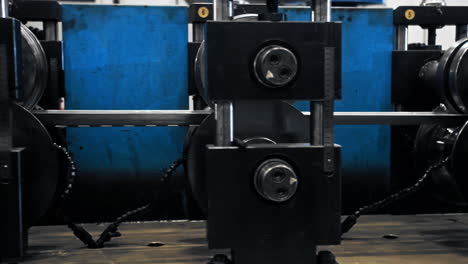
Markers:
70,180
351,220
112,229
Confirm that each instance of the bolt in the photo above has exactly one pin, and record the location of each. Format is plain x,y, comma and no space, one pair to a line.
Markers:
275,180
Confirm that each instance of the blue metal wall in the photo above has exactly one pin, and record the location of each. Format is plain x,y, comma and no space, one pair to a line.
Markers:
366,86
124,57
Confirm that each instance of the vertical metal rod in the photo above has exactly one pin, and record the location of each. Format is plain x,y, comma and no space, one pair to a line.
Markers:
322,10
221,9
401,38
50,30
432,36
198,32
462,32
224,116
4,8
316,124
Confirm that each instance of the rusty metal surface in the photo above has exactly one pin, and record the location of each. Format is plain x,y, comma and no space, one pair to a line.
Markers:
428,239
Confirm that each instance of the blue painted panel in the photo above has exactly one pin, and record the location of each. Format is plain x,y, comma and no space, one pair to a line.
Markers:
125,57
366,86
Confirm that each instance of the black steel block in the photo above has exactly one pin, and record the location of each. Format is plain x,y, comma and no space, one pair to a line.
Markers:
264,231
33,10
431,15
231,48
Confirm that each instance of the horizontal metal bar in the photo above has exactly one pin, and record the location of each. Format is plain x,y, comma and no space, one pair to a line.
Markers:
194,118
121,117
397,118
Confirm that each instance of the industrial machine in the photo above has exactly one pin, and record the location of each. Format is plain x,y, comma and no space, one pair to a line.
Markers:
427,78
261,139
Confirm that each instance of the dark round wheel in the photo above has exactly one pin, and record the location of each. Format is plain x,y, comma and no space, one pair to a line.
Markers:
41,170
35,71
254,122
433,143
447,75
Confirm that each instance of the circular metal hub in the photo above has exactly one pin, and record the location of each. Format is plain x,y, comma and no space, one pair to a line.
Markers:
40,174
275,66
275,180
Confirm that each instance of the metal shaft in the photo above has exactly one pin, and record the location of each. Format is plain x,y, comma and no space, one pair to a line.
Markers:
401,39
4,8
195,118
432,36
224,116
322,10
462,32
50,30
316,126
222,9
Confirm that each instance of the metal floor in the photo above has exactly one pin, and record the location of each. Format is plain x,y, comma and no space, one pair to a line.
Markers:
428,239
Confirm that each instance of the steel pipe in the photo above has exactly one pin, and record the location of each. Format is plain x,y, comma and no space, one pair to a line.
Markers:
3,8
195,118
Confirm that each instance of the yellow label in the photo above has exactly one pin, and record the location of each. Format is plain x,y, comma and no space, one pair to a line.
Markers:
203,12
410,14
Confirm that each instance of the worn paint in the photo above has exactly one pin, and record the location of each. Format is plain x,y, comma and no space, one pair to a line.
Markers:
123,58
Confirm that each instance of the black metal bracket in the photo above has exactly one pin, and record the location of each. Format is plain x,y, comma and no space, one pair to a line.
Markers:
27,10
431,15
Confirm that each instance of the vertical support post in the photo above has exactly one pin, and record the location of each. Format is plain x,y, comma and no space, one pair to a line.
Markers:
224,111
223,9
224,116
322,127
198,30
432,35
322,10
461,32
50,30
4,8
401,38
316,124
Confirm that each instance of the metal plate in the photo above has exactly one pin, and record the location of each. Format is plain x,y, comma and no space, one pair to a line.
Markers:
35,70
278,121
41,170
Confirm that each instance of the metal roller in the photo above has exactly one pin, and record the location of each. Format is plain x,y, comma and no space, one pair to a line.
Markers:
35,71
435,142
447,77
41,170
